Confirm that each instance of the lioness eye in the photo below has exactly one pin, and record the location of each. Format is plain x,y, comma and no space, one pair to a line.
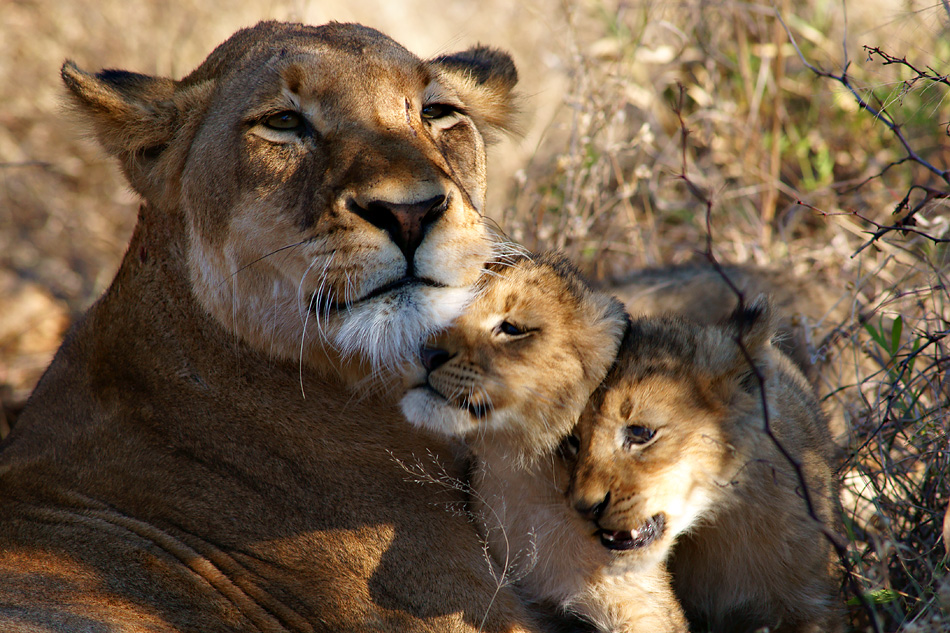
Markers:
510,329
437,111
286,120
636,434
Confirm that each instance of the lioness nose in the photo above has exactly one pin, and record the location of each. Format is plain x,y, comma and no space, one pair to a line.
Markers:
406,223
433,358
592,510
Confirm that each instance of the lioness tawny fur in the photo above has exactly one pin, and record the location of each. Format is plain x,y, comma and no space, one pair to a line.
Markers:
195,458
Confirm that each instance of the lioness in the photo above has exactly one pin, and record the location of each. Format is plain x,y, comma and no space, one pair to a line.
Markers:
676,446
195,459
511,377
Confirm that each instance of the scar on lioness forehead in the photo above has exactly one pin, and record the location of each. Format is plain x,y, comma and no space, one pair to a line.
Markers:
409,118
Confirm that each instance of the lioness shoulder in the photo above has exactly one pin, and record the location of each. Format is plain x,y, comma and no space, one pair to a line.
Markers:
702,439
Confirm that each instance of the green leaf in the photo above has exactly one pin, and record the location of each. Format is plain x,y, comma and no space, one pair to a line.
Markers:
877,336
896,330
881,596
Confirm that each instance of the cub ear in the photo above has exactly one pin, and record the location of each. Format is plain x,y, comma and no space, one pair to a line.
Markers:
612,319
752,326
131,113
485,79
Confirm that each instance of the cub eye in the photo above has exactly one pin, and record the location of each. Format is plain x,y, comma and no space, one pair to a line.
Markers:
637,435
437,111
510,329
285,121
569,447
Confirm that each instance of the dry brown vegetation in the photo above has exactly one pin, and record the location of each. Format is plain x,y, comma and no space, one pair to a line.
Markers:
784,167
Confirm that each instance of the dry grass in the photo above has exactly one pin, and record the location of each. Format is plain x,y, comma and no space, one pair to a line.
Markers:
797,173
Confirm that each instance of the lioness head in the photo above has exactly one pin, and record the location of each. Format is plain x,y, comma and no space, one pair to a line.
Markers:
521,361
331,182
655,444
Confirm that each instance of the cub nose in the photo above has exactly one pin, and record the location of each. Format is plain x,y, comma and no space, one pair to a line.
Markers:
433,358
406,224
592,510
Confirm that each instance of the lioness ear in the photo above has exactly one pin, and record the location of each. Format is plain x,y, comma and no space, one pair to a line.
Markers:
484,78
131,113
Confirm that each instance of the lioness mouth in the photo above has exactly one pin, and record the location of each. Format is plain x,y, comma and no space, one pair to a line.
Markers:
404,282
649,531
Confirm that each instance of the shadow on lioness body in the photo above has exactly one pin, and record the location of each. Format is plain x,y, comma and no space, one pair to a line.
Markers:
510,377
673,452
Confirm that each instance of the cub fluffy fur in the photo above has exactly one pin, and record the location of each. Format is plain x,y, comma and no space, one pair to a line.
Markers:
517,367
195,458
674,447
510,377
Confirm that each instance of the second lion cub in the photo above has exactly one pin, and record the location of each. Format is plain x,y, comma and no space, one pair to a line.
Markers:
675,446
511,377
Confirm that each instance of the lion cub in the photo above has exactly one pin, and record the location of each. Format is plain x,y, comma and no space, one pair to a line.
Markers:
674,446
511,377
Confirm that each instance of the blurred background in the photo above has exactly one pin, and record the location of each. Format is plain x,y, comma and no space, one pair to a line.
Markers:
654,133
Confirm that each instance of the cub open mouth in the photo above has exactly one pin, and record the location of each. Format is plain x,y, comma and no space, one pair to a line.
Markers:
638,538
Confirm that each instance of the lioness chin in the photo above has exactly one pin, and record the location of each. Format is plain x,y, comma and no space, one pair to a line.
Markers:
194,459
676,450
511,376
